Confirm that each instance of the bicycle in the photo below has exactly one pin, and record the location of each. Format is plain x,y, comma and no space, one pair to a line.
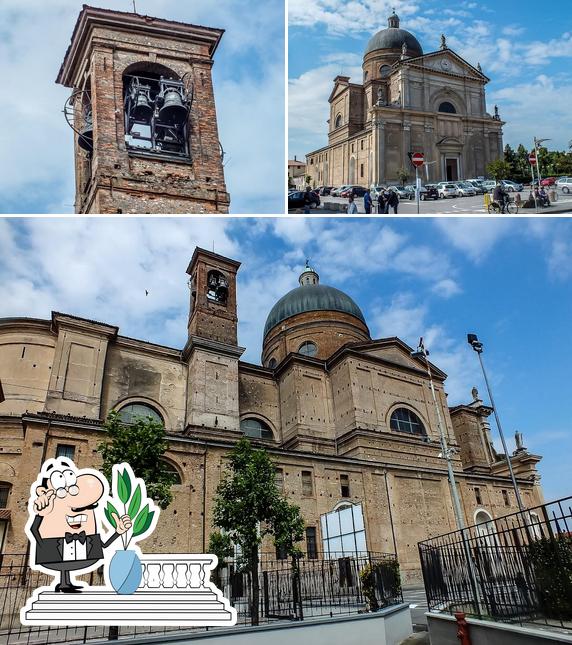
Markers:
511,208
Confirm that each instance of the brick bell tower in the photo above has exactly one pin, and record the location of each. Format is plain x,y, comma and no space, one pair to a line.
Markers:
212,350
143,111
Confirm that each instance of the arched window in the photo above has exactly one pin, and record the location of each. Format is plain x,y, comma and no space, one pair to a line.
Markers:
308,348
157,106
404,420
272,363
384,71
173,471
447,107
217,287
256,429
338,121
5,488
133,411
365,75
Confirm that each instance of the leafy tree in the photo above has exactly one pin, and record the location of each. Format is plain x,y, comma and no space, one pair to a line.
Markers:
220,545
499,169
141,444
403,175
249,506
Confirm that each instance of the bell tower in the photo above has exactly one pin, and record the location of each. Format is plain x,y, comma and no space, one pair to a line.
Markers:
143,111
212,311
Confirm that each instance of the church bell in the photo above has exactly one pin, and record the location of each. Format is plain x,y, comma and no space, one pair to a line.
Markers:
173,111
142,108
85,139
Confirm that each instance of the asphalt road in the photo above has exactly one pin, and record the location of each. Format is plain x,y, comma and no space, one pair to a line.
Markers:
458,206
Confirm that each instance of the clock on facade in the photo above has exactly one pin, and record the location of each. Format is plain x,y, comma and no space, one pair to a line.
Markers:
446,64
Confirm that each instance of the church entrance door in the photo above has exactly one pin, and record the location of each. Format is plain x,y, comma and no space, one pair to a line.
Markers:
452,168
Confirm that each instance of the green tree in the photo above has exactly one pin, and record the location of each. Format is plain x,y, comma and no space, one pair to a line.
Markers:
403,175
141,444
249,506
498,169
220,545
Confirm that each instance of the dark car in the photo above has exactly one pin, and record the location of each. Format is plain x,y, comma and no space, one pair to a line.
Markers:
325,190
296,200
429,191
355,191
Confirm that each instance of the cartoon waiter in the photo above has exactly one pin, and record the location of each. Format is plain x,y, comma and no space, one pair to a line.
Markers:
64,527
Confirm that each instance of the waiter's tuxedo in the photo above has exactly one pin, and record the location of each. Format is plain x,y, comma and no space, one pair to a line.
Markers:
58,554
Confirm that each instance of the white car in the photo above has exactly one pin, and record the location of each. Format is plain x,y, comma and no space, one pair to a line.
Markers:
336,192
447,189
512,186
565,185
489,185
464,189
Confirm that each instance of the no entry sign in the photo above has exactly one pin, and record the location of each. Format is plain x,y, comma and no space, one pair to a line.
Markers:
418,159
532,158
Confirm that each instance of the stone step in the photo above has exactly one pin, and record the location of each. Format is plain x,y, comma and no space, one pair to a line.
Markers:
103,607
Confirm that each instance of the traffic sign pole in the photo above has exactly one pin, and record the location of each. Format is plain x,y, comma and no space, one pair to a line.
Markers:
417,159
532,159
417,186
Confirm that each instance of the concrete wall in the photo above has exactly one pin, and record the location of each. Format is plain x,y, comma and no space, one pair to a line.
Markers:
386,627
443,631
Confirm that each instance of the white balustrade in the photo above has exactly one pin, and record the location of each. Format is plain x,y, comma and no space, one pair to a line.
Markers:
166,571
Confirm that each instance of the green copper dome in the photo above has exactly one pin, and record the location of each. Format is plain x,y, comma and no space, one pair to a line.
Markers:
311,297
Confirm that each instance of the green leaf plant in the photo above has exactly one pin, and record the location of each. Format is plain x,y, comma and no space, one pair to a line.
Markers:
130,492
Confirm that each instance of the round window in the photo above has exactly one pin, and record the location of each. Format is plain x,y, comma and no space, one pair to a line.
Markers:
308,348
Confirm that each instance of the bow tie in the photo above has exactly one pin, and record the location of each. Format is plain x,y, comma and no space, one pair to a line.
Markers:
70,537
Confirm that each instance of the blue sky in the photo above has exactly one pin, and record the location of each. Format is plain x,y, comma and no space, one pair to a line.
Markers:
36,145
525,47
510,281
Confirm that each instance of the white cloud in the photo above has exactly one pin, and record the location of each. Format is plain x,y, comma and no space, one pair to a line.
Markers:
446,288
475,237
36,150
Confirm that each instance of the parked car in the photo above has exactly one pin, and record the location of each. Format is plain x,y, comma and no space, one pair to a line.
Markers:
376,190
403,192
563,180
477,184
489,185
548,181
465,189
446,190
296,199
565,185
356,191
335,192
512,186
429,191
324,190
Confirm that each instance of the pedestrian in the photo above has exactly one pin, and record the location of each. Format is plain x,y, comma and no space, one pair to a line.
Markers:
367,202
381,201
352,208
386,197
393,201
307,200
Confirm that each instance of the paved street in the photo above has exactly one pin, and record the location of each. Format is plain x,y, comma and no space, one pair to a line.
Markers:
458,206
418,604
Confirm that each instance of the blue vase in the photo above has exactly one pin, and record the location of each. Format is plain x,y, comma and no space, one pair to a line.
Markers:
125,571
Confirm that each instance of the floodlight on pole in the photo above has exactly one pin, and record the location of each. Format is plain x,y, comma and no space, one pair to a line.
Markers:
537,144
447,453
477,346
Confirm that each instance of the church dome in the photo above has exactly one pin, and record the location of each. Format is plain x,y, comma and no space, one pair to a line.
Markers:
311,296
393,38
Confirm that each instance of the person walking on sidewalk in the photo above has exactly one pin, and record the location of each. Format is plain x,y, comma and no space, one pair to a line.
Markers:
352,208
393,201
367,202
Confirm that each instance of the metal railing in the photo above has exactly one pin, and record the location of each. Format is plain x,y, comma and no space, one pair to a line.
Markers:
327,585
520,567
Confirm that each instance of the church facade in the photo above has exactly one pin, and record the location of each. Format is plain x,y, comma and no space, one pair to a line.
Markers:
408,101
348,420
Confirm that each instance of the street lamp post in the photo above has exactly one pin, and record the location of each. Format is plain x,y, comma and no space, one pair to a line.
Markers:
476,344
447,454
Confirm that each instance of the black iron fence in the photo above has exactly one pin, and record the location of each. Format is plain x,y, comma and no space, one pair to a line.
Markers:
331,584
516,568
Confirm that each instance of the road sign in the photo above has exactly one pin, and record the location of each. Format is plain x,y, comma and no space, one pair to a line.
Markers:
418,159
532,158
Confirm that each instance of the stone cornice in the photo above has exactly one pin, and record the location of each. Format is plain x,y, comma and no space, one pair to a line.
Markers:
213,346
85,325
133,22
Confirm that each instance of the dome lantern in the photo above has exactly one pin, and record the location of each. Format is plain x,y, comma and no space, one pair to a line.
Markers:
393,21
308,275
